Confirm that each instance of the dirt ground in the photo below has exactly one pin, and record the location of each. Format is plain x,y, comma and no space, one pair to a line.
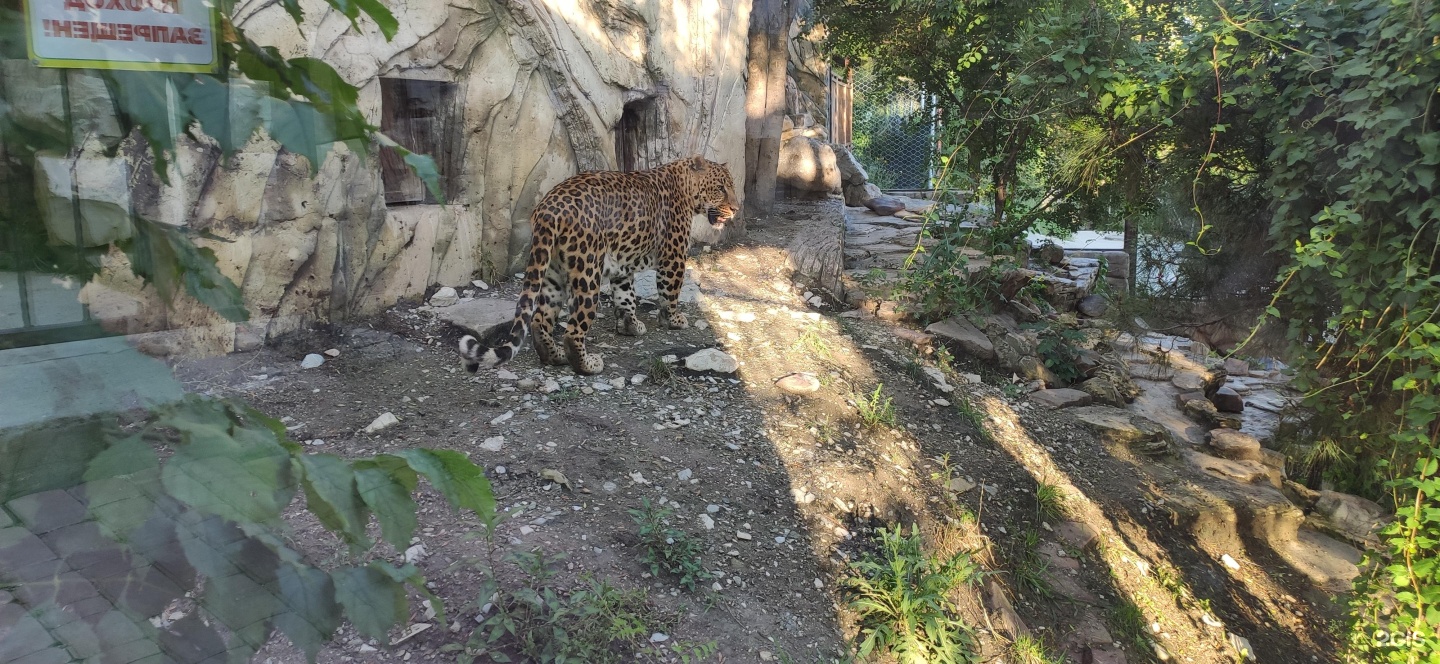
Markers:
793,485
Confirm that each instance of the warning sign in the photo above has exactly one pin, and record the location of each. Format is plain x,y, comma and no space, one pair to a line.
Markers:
150,35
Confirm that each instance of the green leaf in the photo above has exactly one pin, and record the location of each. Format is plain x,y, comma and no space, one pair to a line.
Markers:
422,165
455,477
121,484
144,99
299,127
228,112
215,473
165,257
311,615
373,601
385,484
379,13
330,494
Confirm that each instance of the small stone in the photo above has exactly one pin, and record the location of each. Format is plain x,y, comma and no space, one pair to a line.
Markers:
740,534
711,359
527,384
638,379
712,508
312,360
505,374
502,417
499,470
386,419
526,530
1229,562
658,637
1093,306
415,554
617,383
799,383
333,352
779,540
493,444
550,387
960,485
684,475
367,648
609,487
1241,646
444,297
819,584
1061,398
1227,400
816,301
941,402
480,284
706,521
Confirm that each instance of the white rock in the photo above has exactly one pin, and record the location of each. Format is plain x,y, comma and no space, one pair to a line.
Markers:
639,478
711,359
415,553
609,487
526,530
316,441
816,301
617,383
527,383
493,444
706,521
942,402
740,534
333,352
386,419
504,374
658,637
779,540
550,386
1229,562
701,324
638,379
444,297
503,416
745,317
819,584
480,284
311,361
712,508
683,475
601,386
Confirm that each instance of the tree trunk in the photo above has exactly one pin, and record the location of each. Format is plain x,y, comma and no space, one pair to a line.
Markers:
764,102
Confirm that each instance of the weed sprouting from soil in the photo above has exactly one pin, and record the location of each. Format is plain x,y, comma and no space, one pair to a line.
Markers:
1028,566
538,622
1128,623
902,597
667,549
877,408
1030,650
1049,501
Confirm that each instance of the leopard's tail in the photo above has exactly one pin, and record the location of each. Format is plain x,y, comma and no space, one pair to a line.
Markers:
498,344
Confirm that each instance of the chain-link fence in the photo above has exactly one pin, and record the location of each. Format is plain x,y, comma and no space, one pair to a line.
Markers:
893,131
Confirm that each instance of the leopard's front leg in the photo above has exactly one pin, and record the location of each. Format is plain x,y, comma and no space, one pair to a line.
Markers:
669,276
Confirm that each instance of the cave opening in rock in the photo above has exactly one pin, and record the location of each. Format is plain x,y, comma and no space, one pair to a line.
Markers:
636,134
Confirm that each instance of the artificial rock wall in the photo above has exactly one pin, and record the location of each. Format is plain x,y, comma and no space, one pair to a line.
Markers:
540,87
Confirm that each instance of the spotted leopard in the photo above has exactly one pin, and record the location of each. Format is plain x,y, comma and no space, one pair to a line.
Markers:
610,225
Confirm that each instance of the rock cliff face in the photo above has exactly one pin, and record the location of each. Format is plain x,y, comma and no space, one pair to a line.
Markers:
531,91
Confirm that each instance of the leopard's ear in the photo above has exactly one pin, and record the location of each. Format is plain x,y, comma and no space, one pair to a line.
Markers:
697,162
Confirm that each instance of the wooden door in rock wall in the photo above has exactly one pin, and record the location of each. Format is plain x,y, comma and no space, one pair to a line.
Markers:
416,114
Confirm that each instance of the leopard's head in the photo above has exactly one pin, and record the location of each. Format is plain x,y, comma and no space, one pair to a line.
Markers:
717,192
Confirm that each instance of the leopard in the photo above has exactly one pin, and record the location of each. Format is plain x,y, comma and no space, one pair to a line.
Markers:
605,225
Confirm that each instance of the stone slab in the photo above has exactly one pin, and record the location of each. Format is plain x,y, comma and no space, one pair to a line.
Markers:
1061,398
479,314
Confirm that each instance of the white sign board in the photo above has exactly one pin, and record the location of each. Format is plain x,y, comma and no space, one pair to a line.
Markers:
149,35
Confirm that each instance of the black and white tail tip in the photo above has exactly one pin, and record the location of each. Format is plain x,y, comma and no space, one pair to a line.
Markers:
477,356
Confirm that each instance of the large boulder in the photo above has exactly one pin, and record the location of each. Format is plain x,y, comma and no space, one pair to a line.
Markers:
857,194
885,205
851,172
971,340
809,165
1351,517
1232,444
